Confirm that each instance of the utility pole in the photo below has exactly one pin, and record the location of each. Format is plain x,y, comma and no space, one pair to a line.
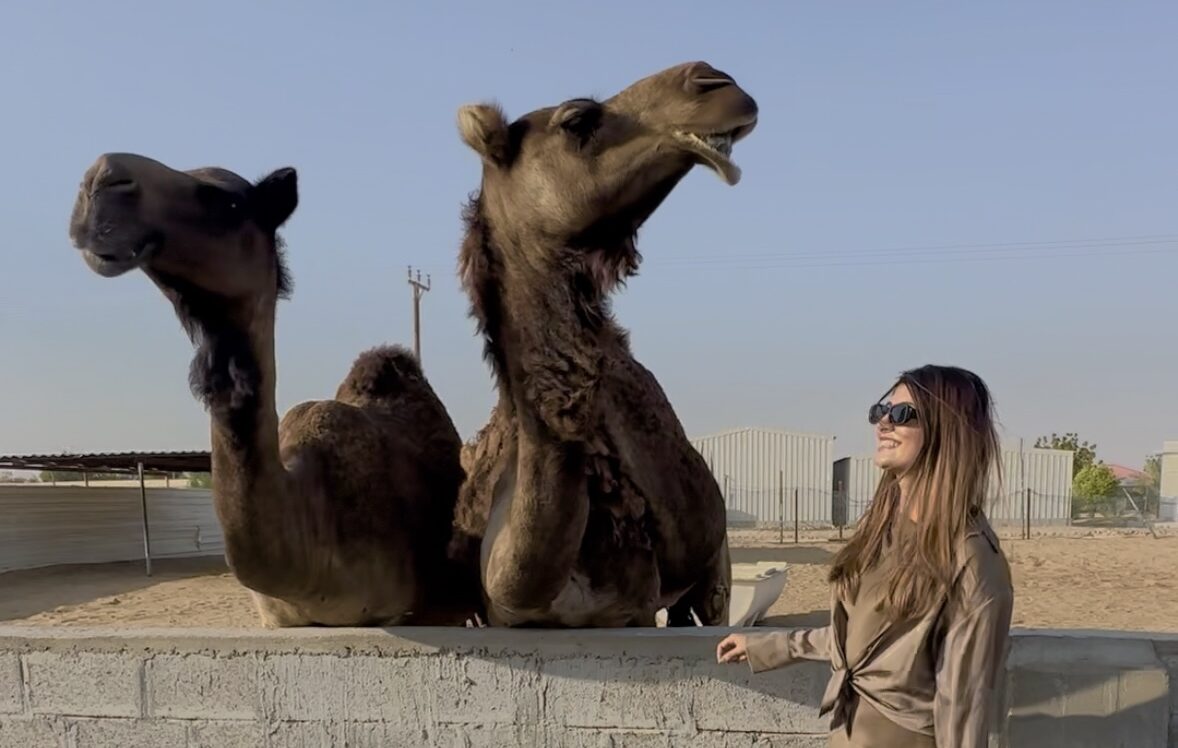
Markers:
419,289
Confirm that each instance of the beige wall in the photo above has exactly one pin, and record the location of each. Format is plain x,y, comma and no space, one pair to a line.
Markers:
1169,483
496,687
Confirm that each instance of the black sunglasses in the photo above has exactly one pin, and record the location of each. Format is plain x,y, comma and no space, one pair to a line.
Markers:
898,414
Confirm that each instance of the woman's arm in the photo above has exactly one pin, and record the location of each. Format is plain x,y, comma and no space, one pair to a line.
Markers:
971,664
776,649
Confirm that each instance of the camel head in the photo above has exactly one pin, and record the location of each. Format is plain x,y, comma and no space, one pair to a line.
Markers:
588,173
207,230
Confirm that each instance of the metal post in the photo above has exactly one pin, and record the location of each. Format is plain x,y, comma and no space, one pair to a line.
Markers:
796,516
781,507
846,502
1027,516
146,531
85,479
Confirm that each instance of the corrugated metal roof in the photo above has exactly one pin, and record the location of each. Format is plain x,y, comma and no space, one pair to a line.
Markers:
113,462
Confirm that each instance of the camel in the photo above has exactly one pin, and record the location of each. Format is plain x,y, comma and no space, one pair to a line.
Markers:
340,514
585,504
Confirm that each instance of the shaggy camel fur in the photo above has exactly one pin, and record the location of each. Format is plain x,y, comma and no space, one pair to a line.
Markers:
340,515
585,503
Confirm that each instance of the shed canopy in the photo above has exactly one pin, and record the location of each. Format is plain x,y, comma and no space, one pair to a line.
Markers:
113,462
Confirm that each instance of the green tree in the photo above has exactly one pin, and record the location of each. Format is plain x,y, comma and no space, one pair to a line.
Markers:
1094,487
1147,490
1083,453
1153,468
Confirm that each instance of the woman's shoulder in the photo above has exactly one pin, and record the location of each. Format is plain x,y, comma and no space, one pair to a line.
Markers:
982,567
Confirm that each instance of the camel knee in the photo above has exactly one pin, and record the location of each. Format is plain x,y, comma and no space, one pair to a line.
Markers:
269,577
513,589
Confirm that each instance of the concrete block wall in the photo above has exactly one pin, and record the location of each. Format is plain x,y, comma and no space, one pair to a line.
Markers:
189,688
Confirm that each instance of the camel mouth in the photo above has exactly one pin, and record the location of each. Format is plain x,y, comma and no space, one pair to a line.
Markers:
111,263
714,150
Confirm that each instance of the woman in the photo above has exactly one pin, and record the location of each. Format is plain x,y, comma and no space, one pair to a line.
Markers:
921,594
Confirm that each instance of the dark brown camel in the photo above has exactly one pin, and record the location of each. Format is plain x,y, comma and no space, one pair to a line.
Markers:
340,515
585,502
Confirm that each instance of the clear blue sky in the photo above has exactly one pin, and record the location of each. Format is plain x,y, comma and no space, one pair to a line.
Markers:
789,301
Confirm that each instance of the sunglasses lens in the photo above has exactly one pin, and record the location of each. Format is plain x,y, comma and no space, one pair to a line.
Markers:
897,414
903,413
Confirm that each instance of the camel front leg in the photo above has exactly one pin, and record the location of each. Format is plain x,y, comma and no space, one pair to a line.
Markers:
542,512
709,598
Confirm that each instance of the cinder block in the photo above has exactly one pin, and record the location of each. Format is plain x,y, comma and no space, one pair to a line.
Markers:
307,735
791,741
730,697
573,737
129,733
411,693
489,736
202,734
1068,692
11,690
195,686
84,684
34,732
474,690
579,738
332,688
383,735
303,687
618,693
1169,658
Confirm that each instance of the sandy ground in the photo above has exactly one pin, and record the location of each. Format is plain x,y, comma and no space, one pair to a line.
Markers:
1075,579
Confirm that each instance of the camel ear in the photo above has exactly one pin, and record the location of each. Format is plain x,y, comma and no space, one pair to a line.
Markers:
484,128
275,197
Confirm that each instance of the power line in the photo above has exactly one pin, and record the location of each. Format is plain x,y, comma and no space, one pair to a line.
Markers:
812,262
1102,242
1125,246
947,253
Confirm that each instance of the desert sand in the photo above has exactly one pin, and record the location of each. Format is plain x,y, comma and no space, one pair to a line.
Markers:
1075,579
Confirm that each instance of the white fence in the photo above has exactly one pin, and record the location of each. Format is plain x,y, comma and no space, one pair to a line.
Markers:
44,525
1045,473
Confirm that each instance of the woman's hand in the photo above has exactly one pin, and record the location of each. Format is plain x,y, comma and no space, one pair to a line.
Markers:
733,648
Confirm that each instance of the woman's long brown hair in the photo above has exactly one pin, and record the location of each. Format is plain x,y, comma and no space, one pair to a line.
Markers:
952,475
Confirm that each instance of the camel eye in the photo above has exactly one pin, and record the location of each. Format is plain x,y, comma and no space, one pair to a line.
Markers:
580,118
221,204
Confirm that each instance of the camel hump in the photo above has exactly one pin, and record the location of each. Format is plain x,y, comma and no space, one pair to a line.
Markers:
384,371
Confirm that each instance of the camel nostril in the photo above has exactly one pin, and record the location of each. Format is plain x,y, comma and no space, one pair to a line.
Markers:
122,186
703,78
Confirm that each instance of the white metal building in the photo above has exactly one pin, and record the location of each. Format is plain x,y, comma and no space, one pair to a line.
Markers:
759,471
1046,472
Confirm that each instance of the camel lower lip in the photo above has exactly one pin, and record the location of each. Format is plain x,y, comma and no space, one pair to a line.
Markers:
110,265
713,150
107,265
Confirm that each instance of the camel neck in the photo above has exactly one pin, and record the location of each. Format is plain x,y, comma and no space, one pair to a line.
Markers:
556,333
545,320
235,373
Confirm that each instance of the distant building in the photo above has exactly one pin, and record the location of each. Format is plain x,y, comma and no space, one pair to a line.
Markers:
1127,476
759,470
